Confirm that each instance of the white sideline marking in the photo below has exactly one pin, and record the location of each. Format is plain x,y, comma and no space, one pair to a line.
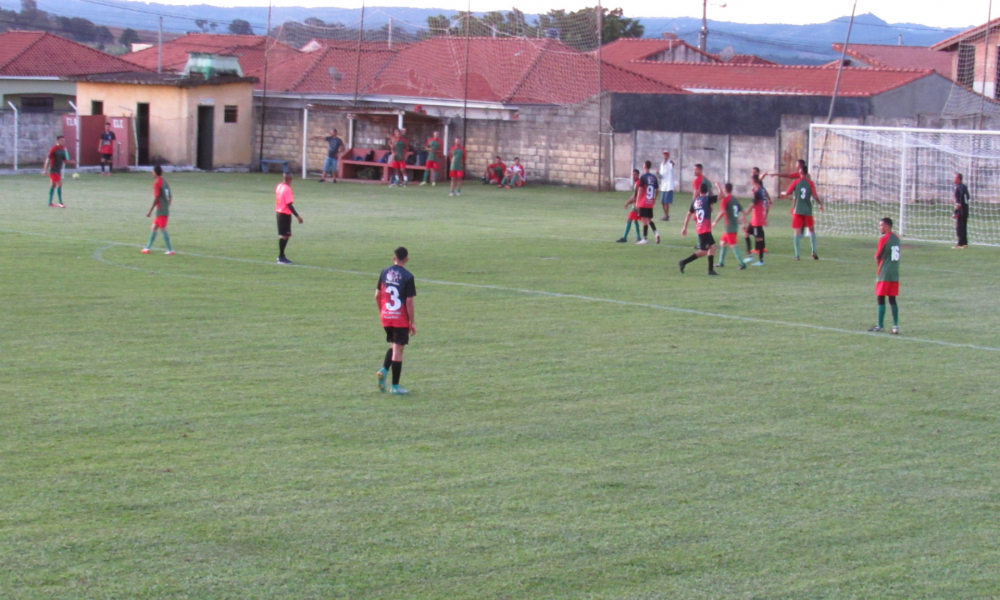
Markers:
689,311
99,256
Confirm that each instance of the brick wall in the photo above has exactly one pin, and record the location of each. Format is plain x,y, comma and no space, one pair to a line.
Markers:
37,133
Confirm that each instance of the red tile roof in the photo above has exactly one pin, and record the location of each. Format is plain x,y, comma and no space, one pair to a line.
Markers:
749,59
250,49
625,50
41,54
331,70
968,34
899,57
504,70
776,79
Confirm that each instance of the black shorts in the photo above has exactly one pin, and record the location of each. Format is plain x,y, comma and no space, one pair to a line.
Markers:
397,335
645,213
106,157
284,224
705,240
756,230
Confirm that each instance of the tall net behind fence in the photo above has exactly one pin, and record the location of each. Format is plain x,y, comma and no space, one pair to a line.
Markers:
866,173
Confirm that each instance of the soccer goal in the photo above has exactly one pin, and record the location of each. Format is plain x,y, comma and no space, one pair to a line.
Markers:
866,173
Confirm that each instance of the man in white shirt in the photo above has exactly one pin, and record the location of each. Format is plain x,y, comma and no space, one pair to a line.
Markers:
666,184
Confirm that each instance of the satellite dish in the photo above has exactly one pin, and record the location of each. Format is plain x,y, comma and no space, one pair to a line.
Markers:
727,54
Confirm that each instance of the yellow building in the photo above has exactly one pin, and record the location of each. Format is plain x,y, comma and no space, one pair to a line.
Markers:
180,119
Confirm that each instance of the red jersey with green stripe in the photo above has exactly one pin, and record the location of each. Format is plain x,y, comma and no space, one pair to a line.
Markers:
731,208
802,191
399,147
433,148
457,158
888,257
161,190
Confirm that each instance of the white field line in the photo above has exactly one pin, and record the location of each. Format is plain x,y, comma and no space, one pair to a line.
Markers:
531,292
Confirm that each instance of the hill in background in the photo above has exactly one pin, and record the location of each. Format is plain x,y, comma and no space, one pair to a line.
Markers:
799,44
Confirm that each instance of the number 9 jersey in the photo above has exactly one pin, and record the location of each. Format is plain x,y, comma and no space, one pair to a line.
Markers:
395,285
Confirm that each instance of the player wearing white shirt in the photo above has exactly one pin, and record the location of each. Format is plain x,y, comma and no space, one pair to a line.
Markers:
666,185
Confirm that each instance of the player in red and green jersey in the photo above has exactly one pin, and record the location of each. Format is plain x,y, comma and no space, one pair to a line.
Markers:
457,170
398,165
803,192
729,207
434,147
57,157
394,298
633,215
701,210
887,274
161,204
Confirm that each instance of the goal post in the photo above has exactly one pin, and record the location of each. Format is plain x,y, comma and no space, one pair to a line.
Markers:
865,173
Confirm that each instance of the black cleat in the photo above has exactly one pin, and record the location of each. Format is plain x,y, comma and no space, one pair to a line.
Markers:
680,264
621,241
712,273
876,329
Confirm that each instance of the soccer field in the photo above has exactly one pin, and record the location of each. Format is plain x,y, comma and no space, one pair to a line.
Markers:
583,420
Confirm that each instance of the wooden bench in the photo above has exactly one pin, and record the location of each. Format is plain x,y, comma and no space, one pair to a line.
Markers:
265,165
347,168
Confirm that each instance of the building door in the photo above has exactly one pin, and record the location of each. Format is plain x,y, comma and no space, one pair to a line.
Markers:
142,132
206,139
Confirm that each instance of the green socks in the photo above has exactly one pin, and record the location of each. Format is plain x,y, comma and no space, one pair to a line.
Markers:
166,240
798,245
52,191
895,315
812,240
736,251
722,256
59,191
152,238
881,314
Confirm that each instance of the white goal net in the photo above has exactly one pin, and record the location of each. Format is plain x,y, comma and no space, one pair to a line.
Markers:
866,173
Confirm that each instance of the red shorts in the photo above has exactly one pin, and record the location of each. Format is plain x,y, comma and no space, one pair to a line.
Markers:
433,165
729,238
55,177
161,221
106,149
633,216
886,288
398,164
456,174
800,221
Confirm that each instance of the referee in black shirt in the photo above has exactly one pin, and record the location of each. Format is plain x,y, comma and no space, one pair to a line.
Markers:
961,214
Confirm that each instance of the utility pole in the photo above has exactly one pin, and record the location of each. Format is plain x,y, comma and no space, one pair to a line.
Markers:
703,36
159,49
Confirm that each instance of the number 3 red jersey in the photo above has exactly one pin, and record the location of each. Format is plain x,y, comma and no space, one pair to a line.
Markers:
395,285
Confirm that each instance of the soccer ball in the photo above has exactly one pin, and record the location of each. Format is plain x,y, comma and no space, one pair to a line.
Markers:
76,175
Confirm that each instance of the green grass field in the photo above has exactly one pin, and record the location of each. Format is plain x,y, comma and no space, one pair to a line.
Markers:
584,421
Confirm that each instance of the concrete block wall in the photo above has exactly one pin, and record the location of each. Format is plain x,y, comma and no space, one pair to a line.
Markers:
559,145
36,132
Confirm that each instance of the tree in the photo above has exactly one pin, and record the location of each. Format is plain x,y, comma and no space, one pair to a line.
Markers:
128,37
205,25
615,26
103,35
240,27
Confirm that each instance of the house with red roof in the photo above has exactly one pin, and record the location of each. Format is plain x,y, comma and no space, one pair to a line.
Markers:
880,56
251,50
507,95
974,57
34,66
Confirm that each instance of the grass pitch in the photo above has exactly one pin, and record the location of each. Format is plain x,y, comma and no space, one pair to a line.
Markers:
584,421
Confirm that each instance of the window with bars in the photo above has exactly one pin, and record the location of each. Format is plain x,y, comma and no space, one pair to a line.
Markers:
966,65
230,114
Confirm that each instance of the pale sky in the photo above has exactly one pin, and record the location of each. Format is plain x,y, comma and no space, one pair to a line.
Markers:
935,13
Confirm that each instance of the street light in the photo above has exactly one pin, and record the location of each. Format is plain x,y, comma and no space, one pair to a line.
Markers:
703,36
